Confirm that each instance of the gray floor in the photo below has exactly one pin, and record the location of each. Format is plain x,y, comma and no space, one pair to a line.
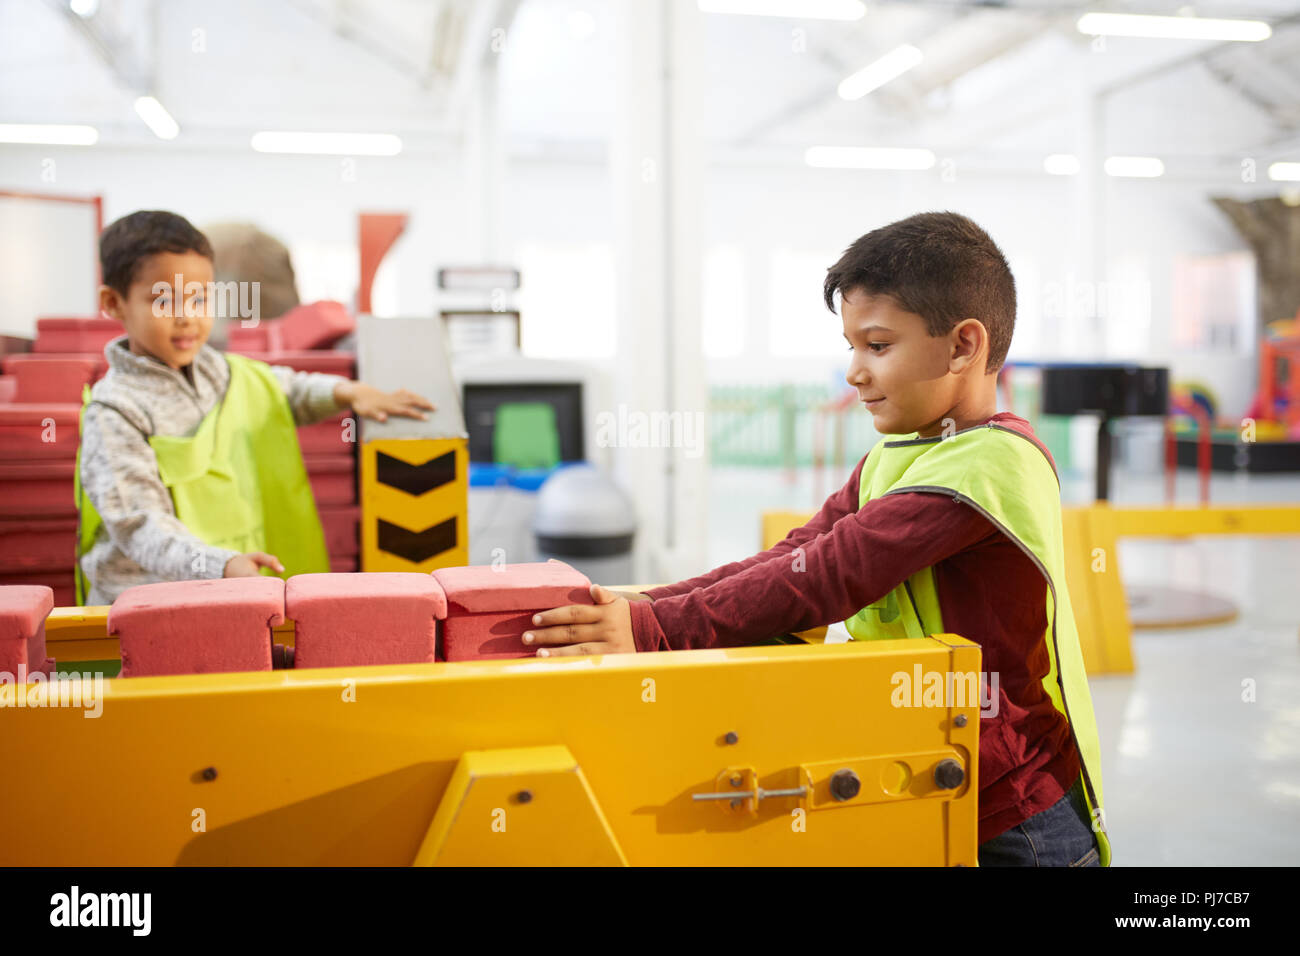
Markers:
1193,773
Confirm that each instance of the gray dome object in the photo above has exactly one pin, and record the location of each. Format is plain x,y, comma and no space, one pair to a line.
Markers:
580,501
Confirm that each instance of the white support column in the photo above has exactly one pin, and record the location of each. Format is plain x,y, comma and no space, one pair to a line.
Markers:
1082,334
484,161
657,169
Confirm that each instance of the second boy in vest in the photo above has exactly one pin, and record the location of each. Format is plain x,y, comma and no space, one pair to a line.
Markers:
952,526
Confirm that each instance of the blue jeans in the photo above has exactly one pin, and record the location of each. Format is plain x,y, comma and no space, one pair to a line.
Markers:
1061,835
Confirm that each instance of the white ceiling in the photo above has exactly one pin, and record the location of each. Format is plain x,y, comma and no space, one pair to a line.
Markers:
997,79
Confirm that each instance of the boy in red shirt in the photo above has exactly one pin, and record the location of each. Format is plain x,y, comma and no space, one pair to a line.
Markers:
928,309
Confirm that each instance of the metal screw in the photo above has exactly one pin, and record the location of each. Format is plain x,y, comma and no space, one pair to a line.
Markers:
735,804
209,773
736,780
731,737
845,785
960,720
948,775
524,796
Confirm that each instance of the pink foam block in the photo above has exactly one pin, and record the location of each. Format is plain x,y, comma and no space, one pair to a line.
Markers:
341,526
42,379
333,478
39,432
75,335
489,608
23,609
37,488
315,325
334,436
37,544
341,620
197,627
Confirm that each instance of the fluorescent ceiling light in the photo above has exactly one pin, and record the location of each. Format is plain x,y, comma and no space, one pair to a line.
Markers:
875,75
330,144
794,9
84,8
48,135
1172,28
156,117
868,157
1061,164
1142,167
1284,172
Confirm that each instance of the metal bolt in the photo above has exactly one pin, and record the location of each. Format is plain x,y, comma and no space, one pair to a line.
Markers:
960,720
524,796
731,737
736,780
845,785
209,773
948,775
735,804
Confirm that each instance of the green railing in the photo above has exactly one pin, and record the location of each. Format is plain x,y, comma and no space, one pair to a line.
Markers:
775,426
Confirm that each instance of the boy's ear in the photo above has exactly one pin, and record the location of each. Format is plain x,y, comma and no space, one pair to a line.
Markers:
969,343
110,302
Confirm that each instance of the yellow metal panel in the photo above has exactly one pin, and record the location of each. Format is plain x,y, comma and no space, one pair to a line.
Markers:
1113,632
413,512
1092,574
519,807
1180,520
777,524
345,766
80,634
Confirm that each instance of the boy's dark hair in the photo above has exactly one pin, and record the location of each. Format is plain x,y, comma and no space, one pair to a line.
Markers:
938,265
132,239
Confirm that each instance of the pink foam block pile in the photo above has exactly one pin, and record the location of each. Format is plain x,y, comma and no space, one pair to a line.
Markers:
197,627
342,620
488,608
23,609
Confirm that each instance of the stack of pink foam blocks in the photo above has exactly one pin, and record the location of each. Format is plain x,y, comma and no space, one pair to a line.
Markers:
340,619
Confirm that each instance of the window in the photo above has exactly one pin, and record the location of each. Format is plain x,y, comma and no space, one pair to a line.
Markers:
566,300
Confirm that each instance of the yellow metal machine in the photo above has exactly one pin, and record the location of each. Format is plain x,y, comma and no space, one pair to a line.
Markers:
800,754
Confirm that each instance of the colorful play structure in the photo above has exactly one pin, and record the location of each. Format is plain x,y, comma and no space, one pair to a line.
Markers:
1267,439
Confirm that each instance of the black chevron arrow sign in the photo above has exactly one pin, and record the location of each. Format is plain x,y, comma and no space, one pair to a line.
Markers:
415,479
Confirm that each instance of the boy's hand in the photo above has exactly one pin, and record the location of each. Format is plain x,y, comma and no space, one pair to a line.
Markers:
370,402
605,628
247,565
631,595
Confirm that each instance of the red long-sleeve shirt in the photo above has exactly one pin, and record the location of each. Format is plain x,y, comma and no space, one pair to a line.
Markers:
989,592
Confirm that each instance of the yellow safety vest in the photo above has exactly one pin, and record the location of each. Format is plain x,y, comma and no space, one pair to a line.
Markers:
1005,476
238,482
